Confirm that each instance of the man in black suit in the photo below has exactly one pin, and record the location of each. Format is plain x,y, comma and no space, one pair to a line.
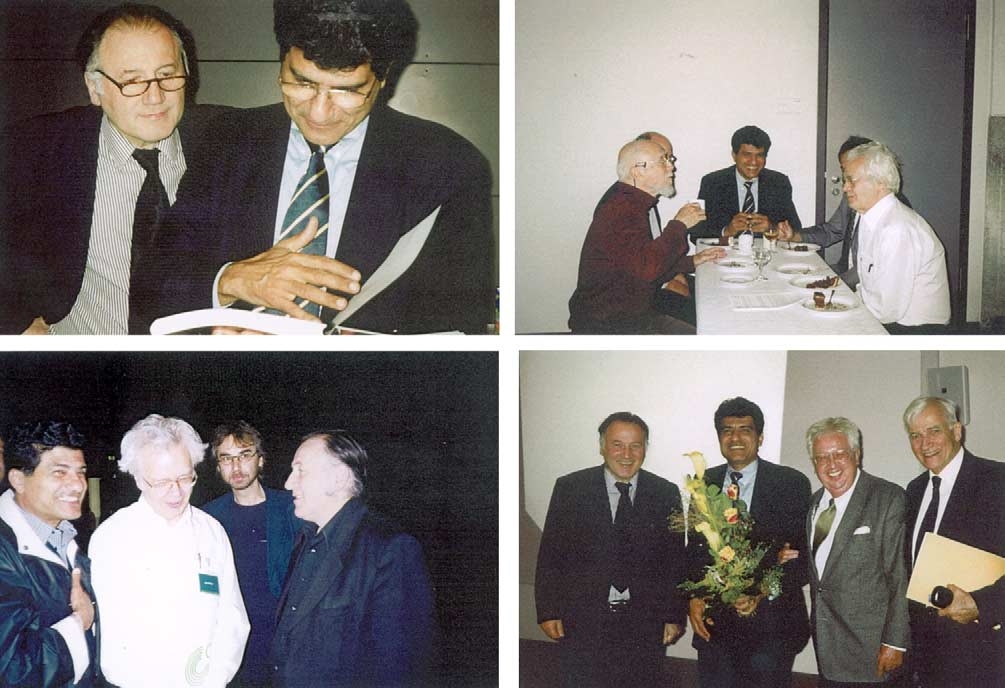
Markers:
608,567
963,644
754,643
383,172
746,195
70,182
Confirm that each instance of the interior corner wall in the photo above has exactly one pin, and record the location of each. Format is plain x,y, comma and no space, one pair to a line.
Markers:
592,75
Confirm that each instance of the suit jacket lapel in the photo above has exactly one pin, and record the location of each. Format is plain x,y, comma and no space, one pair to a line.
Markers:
814,505
851,517
956,519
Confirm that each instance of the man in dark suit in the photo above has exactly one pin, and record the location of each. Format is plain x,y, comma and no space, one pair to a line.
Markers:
755,642
608,567
357,606
71,183
746,195
963,644
382,173
858,576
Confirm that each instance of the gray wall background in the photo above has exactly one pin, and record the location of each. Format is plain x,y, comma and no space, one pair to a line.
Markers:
454,79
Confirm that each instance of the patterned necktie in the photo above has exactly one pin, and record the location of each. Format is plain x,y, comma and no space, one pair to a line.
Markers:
151,204
748,200
928,522
823,526
622,568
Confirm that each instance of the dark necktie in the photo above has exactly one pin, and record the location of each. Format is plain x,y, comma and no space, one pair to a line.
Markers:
734,478
850,232
748,200
151,204
824,523
928,522
623,565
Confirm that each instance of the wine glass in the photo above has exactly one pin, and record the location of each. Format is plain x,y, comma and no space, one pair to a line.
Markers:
771,233
762,256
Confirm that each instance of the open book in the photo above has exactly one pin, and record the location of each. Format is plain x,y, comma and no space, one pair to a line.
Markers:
398,260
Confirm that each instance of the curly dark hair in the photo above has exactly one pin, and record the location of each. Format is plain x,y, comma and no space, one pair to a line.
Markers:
26,443
344,34
738,407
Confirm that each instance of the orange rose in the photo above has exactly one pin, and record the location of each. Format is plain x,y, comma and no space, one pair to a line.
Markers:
731,515
727,553
733,491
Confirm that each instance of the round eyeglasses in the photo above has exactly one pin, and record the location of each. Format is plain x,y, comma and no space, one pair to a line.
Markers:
184,483
131,89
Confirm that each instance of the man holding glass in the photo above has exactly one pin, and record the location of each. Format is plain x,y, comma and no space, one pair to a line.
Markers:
261,526
242,231
172,612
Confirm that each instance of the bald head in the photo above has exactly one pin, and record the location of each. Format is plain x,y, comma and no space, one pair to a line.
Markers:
633,153
657,138
646,166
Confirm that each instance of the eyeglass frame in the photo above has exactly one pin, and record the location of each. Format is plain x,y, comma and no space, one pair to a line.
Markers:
243,457
666,160
159,80
165,485
836,457
332,91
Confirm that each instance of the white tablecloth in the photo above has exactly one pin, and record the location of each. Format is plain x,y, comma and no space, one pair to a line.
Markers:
717,313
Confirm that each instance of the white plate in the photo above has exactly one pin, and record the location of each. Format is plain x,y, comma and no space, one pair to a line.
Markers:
738,279
804,282
790,248
794,269
708,242
838,306
730,263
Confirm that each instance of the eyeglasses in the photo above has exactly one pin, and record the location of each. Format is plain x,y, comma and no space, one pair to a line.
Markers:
348,98
664,161
838,457
131,89
184,483
247,456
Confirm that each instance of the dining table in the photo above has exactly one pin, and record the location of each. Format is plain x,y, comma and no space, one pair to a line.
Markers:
729,299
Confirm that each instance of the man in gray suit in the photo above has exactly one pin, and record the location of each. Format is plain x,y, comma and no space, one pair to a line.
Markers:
858,573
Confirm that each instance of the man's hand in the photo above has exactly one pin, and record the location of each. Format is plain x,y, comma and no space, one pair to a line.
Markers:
280,276
888,660
786,233
80,601
672,633
786,554
553,629
696,612
746,605
963,609
741,222
708,254
38,326
690,214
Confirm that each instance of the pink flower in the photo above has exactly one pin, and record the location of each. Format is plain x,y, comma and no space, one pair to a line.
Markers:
733,491
731,515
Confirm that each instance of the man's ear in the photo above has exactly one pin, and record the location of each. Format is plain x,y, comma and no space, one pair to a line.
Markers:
16,479
92,90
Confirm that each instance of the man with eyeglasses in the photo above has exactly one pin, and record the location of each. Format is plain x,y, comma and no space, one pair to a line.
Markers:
47,613
172,612
627,256
83,189
261,526
858,574
242,233
959,496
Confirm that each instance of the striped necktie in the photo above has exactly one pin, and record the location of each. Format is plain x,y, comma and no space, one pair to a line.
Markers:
748,199
824,523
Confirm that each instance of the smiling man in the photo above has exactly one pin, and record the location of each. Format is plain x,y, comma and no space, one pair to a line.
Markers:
608,565
84,189
46,599
172,612
740,647
959,496
746,195
295,205
858,574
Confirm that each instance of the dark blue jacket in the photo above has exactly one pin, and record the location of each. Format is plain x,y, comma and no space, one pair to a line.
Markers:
280,525
366,616
34,595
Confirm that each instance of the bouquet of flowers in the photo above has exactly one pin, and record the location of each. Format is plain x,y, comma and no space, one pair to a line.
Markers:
725,522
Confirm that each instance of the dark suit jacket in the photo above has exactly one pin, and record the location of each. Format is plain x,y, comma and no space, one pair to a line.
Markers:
48,170
574,563
367,616
860,601
226,211
974,515
781,501
718,189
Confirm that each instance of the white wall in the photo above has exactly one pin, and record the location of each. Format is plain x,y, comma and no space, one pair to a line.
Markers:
592,75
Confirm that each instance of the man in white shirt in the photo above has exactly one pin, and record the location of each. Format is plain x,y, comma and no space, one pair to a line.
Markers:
858,575
900,261
165,570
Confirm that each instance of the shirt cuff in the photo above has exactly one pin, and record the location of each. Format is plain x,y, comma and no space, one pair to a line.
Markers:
216,284
894,647
73,634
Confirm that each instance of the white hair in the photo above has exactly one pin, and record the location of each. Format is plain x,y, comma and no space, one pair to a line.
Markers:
881,164
157,431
